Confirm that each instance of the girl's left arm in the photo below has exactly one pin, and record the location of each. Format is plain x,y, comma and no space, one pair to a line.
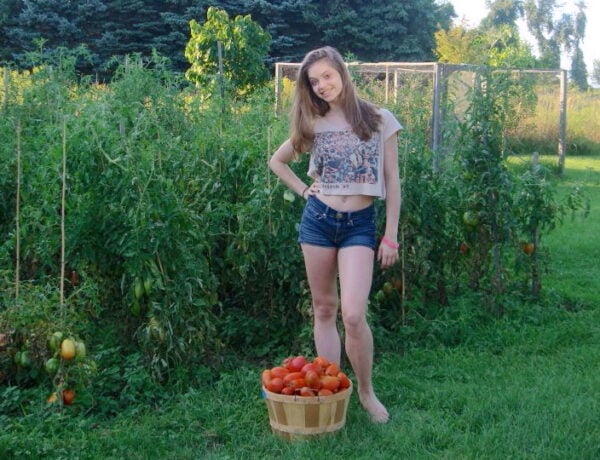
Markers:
387,254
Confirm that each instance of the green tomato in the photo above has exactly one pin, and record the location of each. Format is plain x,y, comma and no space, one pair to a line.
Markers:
80,351
138,288
147,285
25,359
135,308
470,218
52,365
54,341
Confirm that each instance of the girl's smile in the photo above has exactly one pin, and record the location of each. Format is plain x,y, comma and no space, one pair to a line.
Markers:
325,80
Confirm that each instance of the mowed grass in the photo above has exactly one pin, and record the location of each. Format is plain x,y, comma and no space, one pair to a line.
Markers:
575,245
527,387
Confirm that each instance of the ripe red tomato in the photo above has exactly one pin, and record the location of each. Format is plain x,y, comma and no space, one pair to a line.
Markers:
68,396
297,363
329,382
313,379
289,391
306,391
528,248
333,369
311,367
296,384
265,376
275,385
292,376
322,362
344,380
325,392
279,371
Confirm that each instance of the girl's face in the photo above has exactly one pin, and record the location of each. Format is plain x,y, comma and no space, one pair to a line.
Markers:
325,81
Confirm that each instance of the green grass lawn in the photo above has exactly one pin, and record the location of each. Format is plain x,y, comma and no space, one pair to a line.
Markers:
526,388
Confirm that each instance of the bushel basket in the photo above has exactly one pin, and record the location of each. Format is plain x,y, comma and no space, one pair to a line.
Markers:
301,417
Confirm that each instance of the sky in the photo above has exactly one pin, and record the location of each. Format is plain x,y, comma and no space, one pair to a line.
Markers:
473,11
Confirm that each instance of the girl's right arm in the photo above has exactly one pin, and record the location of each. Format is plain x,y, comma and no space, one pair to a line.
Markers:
279,164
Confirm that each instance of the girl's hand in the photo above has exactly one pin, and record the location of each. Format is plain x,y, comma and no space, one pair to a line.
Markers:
387,254
312,190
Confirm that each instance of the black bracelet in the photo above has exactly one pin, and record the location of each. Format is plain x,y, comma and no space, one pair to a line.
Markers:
304,191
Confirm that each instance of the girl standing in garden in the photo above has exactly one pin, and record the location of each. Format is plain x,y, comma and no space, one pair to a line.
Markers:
353,160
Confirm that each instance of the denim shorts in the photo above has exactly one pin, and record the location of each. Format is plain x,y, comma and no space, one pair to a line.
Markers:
324,226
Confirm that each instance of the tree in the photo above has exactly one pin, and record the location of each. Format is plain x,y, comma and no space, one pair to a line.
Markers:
553,35
8,11
245,46
371,30
378,31
459,45
498,46
579,71
287,21
56,22
502,13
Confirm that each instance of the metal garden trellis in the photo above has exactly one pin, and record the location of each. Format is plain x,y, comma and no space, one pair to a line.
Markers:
390,72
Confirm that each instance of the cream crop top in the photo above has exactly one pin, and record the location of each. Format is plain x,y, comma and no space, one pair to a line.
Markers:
346,165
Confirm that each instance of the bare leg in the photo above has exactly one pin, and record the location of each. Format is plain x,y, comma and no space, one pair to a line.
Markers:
356,272
321,270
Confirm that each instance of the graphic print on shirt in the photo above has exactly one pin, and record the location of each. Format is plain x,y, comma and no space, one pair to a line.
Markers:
341,159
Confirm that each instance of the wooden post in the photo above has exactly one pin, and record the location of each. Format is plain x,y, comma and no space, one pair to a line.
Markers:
438,75
277,87
62,215
562,138
387,83
18,214
395,86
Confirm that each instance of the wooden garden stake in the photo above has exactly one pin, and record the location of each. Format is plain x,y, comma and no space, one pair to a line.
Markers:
18,211
62,214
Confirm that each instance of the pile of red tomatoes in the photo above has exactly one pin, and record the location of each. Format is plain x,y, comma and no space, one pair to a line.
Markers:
298,376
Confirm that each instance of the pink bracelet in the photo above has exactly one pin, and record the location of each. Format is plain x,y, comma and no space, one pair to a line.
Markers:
389,243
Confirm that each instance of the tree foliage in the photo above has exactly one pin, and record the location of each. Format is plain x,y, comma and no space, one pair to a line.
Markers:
498,46
244,48
371,30
496,41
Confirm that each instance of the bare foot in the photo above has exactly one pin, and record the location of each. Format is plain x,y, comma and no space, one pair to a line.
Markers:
373,406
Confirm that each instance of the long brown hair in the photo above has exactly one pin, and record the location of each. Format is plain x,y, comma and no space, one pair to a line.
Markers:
360,114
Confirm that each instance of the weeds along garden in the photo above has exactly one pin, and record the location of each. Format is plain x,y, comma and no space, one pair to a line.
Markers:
139,218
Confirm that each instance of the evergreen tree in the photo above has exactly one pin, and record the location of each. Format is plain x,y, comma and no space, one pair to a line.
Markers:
55,22
395,30
9,9
372,30
579,71
288,22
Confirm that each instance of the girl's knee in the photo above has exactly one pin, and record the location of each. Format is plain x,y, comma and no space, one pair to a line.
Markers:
354,322
325,309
